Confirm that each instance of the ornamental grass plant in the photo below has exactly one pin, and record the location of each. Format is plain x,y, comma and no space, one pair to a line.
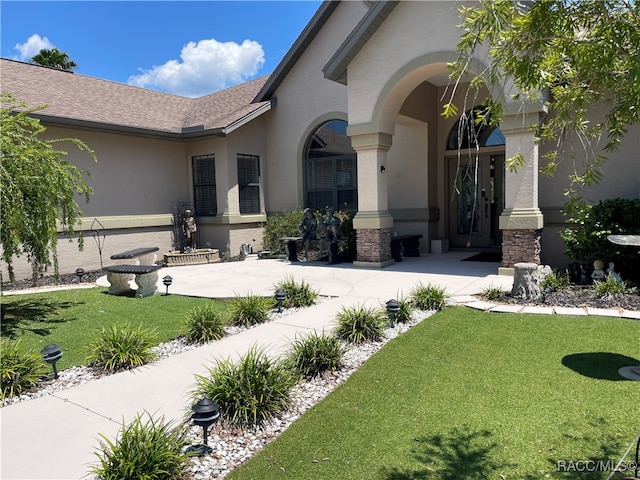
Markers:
314,353
250,310
205,323
428,297
122,347
150,449
20,369
298,294
248,391
360,324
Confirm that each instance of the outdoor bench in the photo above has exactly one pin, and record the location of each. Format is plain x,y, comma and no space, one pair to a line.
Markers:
142,256
146,278
405,246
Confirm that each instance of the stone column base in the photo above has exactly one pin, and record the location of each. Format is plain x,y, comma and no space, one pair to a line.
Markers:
520,246
373,247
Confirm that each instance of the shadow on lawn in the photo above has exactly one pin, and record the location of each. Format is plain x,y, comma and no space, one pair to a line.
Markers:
28,315
599,365
461,453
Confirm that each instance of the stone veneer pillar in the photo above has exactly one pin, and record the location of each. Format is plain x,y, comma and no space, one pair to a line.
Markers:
373,222
521,221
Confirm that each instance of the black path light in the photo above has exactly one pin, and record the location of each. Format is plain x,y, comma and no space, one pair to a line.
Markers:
80,273
280,296
167,280
205,413
51,353
393,307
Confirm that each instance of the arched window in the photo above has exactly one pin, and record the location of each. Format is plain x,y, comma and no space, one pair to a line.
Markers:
470,132
330,168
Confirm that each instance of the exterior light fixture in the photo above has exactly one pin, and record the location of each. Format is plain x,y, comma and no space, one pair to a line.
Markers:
167,280
393,307
80,273
51,354
280,296
205,413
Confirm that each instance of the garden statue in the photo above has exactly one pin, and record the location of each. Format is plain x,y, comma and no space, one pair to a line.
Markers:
308,229
611,273
189,229
598,271
333,234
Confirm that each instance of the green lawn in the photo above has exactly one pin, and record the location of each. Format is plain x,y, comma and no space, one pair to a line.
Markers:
472,395
73,318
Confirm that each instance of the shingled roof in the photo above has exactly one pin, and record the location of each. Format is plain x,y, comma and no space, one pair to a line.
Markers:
80,100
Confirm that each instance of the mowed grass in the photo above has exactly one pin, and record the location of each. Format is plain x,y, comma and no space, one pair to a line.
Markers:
73,318
472,395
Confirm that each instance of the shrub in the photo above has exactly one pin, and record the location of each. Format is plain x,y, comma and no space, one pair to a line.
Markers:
610,286
585,238
143,450
313,354
556,281
250,391
20,370
278,226
492,293
297,294
122,347
428,297
360,324
404,314
250,310
205,323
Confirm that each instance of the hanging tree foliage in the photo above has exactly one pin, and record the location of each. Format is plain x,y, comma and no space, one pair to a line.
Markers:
38,189
580,58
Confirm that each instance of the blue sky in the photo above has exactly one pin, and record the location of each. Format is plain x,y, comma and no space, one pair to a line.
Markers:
189,48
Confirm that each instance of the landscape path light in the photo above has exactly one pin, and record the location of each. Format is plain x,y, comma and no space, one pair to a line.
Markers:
280,296
205,413
167,281
393,307
51,353
80,273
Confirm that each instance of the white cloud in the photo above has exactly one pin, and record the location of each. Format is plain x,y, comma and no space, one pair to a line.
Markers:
203,68
32,47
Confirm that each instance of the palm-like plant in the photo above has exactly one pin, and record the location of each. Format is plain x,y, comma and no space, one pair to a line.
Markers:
54,58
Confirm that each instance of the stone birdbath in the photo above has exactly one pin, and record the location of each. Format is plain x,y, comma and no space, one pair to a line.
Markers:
632,372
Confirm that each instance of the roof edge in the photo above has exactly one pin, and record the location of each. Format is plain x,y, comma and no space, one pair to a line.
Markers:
336,68
297,49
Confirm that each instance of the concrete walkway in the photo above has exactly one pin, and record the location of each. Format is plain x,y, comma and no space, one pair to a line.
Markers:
54,437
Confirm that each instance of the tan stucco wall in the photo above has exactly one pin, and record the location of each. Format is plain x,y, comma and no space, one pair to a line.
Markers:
305,100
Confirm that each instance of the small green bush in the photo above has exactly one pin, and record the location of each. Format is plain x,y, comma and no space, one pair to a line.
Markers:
297,294
405,312
20,370
205,323
250,310
281,225
556,281
312,354
122,347
428,297
143,450
360,324
249,391
492,293
610,286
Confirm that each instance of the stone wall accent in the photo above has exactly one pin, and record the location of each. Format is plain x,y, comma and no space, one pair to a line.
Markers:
520,246
373,245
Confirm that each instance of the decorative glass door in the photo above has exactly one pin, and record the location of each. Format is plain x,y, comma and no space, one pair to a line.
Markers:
476,201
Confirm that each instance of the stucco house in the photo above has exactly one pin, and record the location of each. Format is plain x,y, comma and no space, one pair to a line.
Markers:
351,116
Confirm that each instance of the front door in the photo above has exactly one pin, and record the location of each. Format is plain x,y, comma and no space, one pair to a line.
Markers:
476,201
